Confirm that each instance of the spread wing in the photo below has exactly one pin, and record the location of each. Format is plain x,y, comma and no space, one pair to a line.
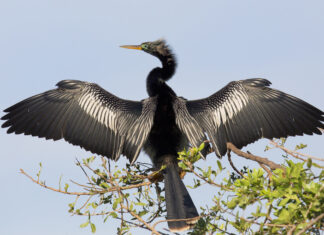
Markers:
84,114
247,110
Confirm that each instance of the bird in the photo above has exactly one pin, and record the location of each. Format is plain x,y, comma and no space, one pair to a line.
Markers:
163,124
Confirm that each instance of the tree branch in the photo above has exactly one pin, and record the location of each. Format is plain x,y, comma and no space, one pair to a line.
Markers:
258,159
53,189
295,153
112,189
232,165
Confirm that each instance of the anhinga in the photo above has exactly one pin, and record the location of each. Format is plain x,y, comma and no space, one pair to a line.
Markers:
84,114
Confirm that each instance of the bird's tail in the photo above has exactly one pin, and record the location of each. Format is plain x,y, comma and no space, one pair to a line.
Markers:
180,208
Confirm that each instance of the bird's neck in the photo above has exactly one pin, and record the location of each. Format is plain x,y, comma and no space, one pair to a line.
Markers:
168,67
156,79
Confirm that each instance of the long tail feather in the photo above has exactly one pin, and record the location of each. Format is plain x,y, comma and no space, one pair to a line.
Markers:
180,207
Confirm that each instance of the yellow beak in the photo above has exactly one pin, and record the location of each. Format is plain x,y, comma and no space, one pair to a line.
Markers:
136,47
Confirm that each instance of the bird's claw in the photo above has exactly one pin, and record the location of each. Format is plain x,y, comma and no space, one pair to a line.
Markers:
182,174
156,177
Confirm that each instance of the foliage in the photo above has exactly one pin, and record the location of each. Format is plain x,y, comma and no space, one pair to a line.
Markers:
287,200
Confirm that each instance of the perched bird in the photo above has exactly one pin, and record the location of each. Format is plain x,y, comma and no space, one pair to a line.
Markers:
84,114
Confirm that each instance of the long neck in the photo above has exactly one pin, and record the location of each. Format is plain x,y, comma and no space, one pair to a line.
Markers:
155,82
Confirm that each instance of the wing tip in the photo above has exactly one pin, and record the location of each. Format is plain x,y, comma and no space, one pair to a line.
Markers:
69,84
257,82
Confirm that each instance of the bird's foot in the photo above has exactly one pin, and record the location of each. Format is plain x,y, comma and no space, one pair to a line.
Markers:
182,174
156,176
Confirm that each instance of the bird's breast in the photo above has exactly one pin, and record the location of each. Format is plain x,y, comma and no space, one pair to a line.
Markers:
165,137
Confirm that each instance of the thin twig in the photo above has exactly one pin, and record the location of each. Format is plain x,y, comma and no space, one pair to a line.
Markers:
267,217
141,220
232,165
94,190
311,223
157,213
84,204
80,165
130,186
110,181
85,187
53,189
295,153
208,181
99,214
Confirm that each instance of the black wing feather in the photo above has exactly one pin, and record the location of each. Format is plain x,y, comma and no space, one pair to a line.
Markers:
187,124
245,111
84,114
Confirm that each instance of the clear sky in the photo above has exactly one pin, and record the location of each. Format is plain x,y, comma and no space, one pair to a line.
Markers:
43,42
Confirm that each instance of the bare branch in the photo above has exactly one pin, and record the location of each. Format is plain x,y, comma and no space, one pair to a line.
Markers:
295,153
54,189
261,160
232,165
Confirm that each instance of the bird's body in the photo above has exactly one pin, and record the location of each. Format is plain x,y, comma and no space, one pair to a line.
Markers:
84,114
164,137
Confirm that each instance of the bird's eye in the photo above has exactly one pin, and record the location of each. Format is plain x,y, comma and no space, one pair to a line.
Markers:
144,46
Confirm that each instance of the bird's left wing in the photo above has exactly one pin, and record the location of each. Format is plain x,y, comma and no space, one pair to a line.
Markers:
247,110
84,114
187,123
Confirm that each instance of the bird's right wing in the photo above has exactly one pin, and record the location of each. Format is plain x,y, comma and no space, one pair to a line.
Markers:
247,110
84,114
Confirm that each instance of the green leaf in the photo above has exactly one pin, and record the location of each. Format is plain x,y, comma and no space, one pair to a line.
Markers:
283,202
115,205
140,203
309,163
233,203
66,187
284,217
219,165
94,205
104,185
84,224
113,214
301,146
93,228
201,147
182,165
142,213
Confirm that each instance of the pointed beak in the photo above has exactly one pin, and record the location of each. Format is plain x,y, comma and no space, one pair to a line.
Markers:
136,47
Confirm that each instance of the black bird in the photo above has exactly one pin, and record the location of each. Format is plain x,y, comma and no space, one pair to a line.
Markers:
84,114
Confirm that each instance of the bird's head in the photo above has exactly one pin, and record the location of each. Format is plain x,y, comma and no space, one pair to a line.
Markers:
156,48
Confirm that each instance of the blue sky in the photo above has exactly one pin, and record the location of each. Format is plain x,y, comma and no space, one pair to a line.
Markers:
43,42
